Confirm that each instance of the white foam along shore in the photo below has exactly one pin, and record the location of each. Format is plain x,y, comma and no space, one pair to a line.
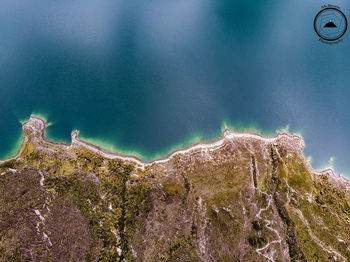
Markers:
210,146
38,126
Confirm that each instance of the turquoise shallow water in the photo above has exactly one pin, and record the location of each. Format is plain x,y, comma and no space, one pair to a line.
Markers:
145,77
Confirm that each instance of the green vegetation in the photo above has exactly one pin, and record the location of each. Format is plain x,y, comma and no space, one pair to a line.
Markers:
244,201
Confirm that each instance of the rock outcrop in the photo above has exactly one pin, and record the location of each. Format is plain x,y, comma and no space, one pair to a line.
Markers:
241,198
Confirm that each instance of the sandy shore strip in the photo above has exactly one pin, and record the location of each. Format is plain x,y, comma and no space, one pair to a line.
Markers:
227,135
38,126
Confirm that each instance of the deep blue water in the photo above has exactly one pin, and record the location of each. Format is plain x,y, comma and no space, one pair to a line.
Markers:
146,76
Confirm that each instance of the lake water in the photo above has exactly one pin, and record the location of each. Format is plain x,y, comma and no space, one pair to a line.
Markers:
145,77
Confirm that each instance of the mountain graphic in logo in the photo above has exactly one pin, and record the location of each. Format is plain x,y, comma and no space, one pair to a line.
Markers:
330,24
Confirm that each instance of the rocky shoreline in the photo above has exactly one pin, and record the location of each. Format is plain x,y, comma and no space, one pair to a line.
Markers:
242,197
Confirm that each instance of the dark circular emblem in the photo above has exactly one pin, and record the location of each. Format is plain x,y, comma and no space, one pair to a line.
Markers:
330,24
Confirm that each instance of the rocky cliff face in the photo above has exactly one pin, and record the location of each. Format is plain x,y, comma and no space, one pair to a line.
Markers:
242,198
